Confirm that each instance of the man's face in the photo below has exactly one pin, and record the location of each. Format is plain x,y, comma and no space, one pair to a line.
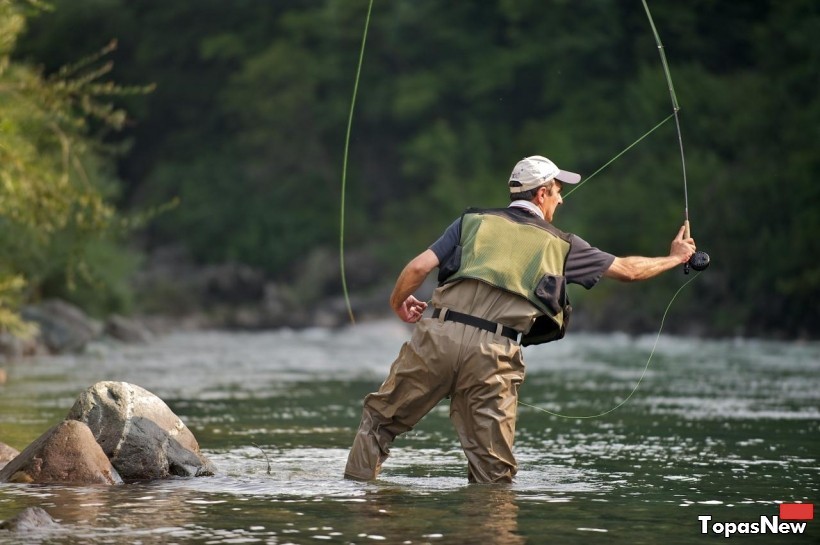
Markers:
552,198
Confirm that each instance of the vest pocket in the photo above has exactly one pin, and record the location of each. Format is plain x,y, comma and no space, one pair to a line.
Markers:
552,291
450,266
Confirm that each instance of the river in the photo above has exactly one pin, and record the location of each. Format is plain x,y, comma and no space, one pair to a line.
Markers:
720,429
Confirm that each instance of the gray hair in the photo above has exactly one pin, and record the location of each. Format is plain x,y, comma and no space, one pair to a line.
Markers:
530,195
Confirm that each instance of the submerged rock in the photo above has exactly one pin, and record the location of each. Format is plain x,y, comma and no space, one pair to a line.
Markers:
7,454
67,453
31,518
141,436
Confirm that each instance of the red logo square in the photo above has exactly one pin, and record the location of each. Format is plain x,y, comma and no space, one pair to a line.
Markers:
796,511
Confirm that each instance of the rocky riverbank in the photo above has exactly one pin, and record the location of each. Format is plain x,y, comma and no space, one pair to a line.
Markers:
65,328
238,296
173,293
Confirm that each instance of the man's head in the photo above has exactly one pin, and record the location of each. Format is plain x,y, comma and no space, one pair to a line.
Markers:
533,172
539,180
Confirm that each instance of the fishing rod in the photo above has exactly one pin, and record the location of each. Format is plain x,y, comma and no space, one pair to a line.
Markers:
699,260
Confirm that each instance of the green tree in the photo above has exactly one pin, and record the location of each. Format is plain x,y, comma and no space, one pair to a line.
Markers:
55,180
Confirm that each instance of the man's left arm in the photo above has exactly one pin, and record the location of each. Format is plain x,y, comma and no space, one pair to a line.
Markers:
402,301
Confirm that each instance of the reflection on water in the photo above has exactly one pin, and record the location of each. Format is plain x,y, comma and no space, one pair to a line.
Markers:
728,430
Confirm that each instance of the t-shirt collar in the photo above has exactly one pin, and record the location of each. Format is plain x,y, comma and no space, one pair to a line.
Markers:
529,206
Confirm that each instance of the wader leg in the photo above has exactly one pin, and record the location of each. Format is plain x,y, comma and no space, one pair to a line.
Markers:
413,387
370,449
484,415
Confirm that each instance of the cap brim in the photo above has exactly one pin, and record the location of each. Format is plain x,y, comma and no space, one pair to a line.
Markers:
566,177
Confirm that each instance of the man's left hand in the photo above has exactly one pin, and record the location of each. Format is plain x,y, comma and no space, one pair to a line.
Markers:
411,310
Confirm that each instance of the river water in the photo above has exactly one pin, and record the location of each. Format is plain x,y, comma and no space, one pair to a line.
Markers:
727,429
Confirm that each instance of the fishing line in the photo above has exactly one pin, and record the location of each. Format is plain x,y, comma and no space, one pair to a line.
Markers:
699,261
344,166
675,106
626,149
265,454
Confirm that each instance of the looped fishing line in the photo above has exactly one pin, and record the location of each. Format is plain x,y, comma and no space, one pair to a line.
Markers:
344,166
643,374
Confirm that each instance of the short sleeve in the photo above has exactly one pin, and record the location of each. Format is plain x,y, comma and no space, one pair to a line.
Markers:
586,264
447,242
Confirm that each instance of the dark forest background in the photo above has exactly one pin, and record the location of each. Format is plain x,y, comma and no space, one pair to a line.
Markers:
245,130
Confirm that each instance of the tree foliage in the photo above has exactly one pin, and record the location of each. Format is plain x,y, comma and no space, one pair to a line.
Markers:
247,125
55,183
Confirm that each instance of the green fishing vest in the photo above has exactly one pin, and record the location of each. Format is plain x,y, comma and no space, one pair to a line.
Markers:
518,253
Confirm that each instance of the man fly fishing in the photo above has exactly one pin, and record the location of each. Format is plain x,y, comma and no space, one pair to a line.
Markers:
502,285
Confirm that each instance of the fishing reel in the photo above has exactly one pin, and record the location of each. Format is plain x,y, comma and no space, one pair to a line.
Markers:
699,262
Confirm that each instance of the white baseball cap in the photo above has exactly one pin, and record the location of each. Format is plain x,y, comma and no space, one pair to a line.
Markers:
537,170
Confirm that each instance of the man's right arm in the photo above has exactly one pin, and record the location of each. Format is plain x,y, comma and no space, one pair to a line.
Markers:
636,268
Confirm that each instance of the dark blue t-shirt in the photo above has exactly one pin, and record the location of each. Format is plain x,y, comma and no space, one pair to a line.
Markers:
585,264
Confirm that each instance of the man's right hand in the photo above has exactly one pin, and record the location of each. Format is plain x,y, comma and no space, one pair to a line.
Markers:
682,248
635,268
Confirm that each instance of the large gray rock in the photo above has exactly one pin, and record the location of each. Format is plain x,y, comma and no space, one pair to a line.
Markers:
63,326
29,519
67,453
141,436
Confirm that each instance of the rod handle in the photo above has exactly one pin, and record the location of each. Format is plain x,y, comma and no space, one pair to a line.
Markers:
686,234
